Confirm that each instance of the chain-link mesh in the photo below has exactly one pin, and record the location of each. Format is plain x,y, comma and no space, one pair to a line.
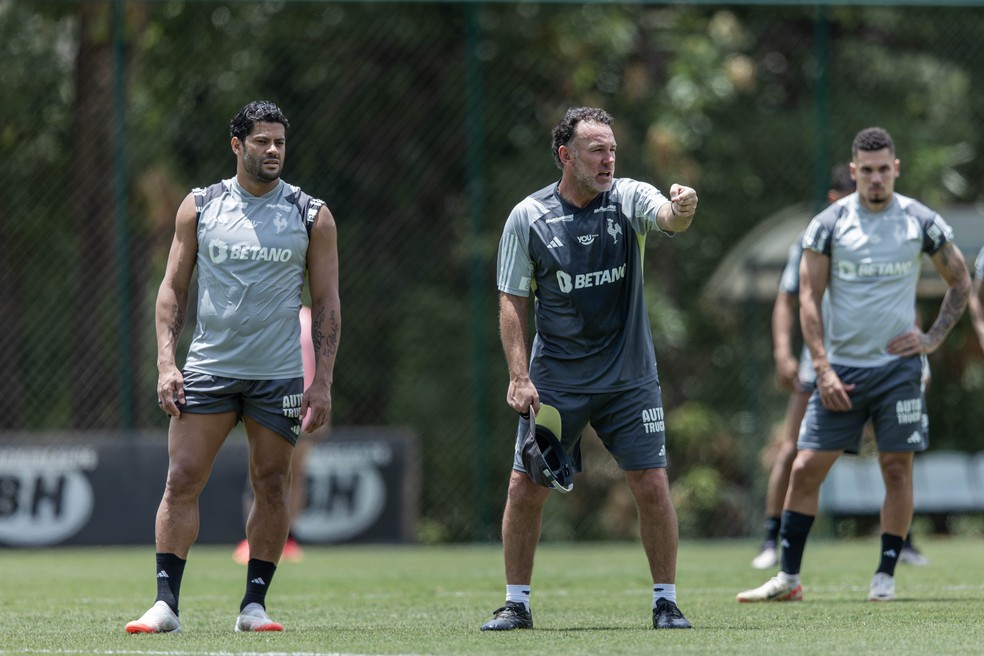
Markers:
421,125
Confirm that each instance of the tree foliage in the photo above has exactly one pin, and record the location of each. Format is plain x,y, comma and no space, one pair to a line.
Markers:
422,125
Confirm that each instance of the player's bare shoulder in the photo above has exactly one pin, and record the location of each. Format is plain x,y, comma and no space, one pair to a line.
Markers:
324,223
187,210
186,226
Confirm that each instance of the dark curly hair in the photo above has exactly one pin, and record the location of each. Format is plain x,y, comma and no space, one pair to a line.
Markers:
840,178
872,139
258,111
564,132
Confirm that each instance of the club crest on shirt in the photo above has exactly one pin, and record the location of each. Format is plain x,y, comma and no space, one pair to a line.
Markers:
614,229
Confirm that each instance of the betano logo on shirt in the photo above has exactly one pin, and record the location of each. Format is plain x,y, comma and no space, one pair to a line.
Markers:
569,283
219,251
852,271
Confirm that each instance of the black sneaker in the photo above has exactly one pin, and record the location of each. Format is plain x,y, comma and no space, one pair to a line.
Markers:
511,616
666,615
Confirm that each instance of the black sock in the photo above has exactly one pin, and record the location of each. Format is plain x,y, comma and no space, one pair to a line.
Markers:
772,525
908,540
170,569
795,529
891,546
259,573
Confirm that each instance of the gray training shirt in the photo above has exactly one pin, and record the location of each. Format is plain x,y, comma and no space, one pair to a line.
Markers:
874,268
789,281
252,255
584,266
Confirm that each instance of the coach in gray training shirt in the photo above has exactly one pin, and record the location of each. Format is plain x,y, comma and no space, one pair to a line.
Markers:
253,238
865,251
577,246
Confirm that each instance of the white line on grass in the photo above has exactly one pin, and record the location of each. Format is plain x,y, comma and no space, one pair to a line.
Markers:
152,652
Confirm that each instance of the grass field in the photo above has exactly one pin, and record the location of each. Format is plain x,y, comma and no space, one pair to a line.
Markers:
591,599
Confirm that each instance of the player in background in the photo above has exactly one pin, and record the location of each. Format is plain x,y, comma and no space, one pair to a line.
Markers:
864,251
253,238
977,298
577,247
799,379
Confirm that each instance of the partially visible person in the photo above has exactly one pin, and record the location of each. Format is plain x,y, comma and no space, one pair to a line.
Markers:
799,379
793,375
864,251
977,299
576,246
293,552
252,238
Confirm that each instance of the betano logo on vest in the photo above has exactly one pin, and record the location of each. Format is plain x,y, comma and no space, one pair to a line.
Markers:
219,252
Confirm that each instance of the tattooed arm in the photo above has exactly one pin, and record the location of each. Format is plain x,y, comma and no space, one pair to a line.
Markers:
172,306
949,262
326,319
951,267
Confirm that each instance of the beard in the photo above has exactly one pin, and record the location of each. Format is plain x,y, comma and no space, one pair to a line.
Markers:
588,180
254,167
878,196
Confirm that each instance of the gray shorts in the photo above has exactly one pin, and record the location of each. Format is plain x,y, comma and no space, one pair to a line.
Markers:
275,404
629,423
890,396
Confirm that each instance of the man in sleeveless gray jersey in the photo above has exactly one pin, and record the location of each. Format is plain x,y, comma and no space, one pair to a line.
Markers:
865,251
577,246
253,239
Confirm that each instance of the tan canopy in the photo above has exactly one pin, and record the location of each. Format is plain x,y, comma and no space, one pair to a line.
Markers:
751,270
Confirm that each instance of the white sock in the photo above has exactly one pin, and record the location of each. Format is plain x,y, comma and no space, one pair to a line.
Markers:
519,594
792,580
664,591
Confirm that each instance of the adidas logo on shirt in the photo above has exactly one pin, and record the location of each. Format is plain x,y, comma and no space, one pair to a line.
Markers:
555,243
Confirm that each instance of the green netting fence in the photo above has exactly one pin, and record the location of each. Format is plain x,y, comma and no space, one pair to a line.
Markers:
421,125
